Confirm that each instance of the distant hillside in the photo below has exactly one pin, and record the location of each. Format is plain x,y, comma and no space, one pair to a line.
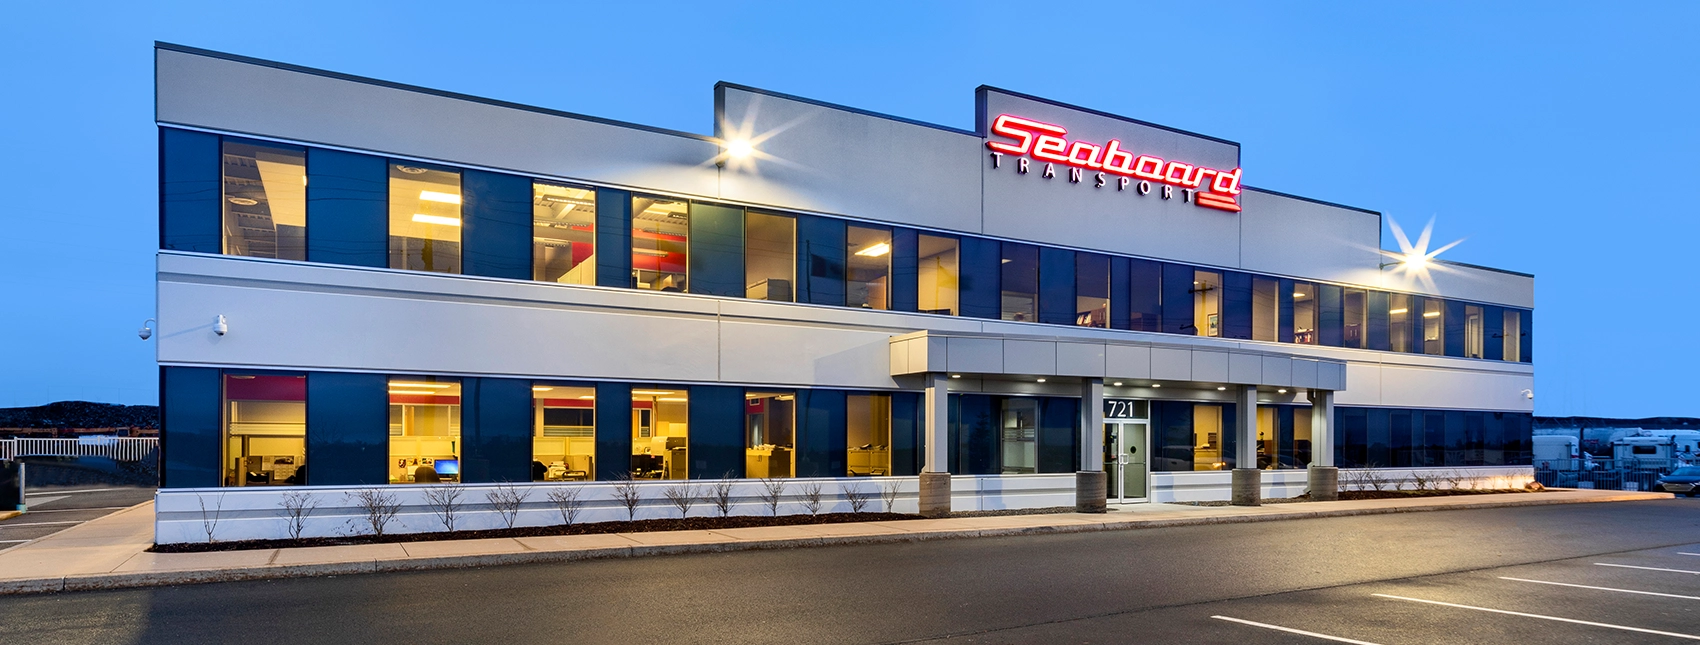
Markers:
1649,423
81,414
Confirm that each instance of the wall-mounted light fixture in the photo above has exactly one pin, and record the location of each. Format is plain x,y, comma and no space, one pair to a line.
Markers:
146,332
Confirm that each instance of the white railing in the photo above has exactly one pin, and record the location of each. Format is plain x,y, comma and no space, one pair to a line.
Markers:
115,448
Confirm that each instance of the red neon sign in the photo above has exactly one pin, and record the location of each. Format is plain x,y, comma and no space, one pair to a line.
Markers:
1218,189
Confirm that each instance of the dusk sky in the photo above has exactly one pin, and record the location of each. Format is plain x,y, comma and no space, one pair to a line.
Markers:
1552,138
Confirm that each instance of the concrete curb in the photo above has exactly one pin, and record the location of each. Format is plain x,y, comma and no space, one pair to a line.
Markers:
6,515
109,581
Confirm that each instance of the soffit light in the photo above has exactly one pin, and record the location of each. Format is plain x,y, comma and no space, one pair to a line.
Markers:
1280,391
1221,388
1156,385
1117,384
1041,380
436,219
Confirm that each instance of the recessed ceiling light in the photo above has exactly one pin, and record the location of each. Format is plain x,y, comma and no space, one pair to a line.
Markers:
1041,380
1220,388
1280,391
243,201
1118,384
411,170
956,376
1156,385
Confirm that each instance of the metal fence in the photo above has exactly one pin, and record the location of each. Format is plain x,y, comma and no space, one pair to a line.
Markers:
114,448
1604,474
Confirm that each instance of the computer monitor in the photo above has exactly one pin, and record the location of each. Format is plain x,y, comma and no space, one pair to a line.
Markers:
447,466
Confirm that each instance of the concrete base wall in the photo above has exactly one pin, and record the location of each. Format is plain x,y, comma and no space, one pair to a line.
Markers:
257,513
1217,485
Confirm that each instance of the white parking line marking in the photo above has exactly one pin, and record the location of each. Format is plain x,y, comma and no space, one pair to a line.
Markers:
1566,584
13,541
74,510
1572,621
12,524
1686,553
71,492
1631,566
1290,630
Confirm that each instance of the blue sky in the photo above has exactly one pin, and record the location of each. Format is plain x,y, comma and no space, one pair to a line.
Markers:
1553,138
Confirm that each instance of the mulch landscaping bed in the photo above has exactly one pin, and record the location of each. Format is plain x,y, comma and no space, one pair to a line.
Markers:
588,528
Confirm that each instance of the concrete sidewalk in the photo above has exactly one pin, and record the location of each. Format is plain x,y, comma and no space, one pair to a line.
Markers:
110,552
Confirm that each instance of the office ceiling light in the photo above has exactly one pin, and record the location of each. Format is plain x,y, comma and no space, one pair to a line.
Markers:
443,198
587,397
539,388
1298,294
243,201
436,219
875,251
1431,314
653,392
672,399
439,386
426,392
411,170
654,252
1397,311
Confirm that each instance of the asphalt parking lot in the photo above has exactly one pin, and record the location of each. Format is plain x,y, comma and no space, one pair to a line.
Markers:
56,508
1650,596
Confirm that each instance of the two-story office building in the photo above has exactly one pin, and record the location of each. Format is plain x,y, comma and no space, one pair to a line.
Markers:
362,283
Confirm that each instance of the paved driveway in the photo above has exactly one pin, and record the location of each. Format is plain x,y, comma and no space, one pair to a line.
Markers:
55,508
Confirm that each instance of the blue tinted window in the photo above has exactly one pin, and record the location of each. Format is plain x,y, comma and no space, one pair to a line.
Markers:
347,208
189,426
1092,290
905,270
1352,444
1380,440
821,434
981,264
347,429
497,239
1404,439
1178,297
614,427
1057,304
907,433
716,254
1145,295
1019,282
1236,305
495,430
1330,314
189,192
1171,436
1527,320
820,254
977,434
1455,321
717,431
613,246
1059,435
1377,324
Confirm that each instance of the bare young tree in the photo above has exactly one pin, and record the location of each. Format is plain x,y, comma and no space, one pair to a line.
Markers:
445,502
772,492
568,500
296,507
628,494
377,507
683,496
720,495
857,496
889,491
1420,481
210,517
507,499
812,497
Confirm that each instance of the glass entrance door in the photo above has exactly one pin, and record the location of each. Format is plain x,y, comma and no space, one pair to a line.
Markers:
1125,463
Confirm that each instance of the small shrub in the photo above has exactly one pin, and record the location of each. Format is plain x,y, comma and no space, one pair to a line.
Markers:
857,496
812,497
720,495
889,491
445,501
772,491
683,497
569,500
296,508
628,494
507,500
211,517
377,507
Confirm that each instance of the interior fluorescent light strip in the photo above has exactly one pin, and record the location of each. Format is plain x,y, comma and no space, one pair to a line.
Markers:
436,219
434,196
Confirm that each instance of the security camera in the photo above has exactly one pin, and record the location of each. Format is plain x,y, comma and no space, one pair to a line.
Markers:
146,332
1529,394
219,326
